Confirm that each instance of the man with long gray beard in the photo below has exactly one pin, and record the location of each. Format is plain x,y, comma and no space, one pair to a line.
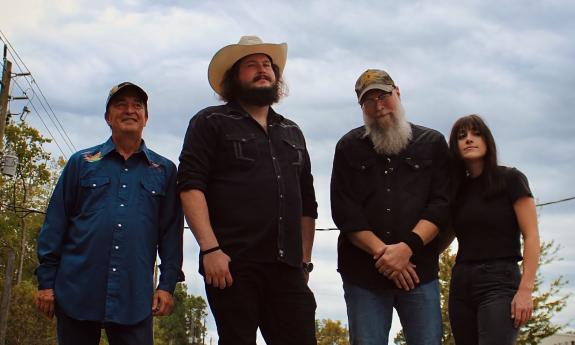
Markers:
389,199
247,192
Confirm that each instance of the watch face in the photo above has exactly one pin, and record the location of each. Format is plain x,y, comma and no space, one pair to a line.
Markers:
308,266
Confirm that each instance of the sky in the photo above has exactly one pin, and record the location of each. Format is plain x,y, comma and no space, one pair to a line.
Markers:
509,61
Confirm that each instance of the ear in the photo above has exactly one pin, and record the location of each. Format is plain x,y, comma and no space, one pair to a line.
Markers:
398,92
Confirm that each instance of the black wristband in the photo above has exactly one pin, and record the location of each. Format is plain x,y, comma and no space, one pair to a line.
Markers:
208,251
414,242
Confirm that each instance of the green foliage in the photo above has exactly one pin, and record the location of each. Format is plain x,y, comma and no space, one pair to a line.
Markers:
546,303
25,325
186,324
329,332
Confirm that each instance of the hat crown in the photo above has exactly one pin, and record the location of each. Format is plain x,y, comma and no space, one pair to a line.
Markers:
250,40
373,79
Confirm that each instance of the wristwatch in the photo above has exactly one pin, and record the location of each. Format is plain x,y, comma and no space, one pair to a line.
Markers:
307,266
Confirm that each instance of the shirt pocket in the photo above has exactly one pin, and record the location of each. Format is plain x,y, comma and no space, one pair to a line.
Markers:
152,192
94,194
365,179
241,149
295,153
416,175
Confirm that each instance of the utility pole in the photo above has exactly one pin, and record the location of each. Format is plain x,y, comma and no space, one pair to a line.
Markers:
4,95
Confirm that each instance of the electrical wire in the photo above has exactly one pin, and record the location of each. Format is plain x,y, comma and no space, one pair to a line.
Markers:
33,84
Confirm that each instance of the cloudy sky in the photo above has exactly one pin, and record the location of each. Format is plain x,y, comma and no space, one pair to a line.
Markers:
510,61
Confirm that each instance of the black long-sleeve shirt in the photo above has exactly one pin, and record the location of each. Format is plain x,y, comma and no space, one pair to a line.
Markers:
388,195
257,184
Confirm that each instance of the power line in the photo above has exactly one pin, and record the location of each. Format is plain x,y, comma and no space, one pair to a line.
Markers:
41,98
44,123
555,202
538,205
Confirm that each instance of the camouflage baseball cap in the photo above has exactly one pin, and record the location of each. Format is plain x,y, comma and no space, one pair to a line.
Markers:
373,79
125,85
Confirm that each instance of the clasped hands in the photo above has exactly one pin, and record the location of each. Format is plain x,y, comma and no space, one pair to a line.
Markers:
393,262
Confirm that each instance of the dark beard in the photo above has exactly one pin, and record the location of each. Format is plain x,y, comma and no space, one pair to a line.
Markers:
258,96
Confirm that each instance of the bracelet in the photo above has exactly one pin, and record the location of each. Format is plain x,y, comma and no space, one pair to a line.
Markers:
208,251
414,242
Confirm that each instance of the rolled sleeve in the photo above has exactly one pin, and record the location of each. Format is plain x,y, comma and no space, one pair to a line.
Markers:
309,203
437,210
347,212
196,158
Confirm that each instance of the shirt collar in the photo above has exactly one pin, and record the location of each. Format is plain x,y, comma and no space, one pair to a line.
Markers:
235,107
109,146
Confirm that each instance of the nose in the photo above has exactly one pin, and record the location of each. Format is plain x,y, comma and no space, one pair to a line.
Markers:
131,108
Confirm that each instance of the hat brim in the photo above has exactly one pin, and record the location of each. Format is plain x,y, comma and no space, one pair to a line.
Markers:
226,57
383,87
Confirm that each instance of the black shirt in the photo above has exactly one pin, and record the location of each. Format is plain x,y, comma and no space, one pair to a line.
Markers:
388,195
486,227
257,185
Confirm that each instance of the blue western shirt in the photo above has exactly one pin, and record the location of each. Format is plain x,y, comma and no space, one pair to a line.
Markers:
107,219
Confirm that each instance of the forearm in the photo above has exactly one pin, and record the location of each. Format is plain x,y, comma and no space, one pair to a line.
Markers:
531,248
197,215
527,220
426,230
307,236
367,241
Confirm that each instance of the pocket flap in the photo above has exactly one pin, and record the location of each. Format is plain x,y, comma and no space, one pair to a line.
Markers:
94,182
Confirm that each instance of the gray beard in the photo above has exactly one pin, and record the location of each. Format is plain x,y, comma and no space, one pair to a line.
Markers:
392,140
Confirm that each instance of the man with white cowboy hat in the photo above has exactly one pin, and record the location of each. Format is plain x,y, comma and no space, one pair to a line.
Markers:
247,191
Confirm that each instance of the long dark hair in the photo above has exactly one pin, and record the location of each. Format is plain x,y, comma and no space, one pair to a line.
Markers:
492,177
230,83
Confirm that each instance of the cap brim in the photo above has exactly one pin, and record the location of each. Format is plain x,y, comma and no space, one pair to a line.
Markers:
383,87
226,57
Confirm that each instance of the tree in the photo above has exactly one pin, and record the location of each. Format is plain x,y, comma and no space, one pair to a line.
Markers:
22,200
329,332
26,326
546,303
186,324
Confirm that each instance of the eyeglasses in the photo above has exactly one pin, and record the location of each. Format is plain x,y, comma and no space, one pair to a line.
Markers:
371,103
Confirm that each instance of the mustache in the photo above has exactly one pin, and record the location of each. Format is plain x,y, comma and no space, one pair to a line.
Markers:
262,76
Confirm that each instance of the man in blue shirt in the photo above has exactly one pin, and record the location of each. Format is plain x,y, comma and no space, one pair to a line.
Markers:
114,208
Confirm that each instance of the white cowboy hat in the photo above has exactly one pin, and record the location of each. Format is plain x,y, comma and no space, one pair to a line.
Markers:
226,57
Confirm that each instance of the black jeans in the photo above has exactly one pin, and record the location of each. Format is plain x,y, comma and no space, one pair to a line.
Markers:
271,296
74,332
480,298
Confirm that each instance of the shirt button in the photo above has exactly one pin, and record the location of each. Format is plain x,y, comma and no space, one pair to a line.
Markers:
123,186
281,253
153,192
116,247
273,157
385,172
388,209
125,169
281,218
388,160
388,190
281,196
279,177
121,205
416,166
93,185
387,232
114,269
119,225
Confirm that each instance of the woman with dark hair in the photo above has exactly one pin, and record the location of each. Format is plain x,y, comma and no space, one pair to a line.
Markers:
492,207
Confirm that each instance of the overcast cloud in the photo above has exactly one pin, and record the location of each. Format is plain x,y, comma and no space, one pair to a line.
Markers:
510,61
